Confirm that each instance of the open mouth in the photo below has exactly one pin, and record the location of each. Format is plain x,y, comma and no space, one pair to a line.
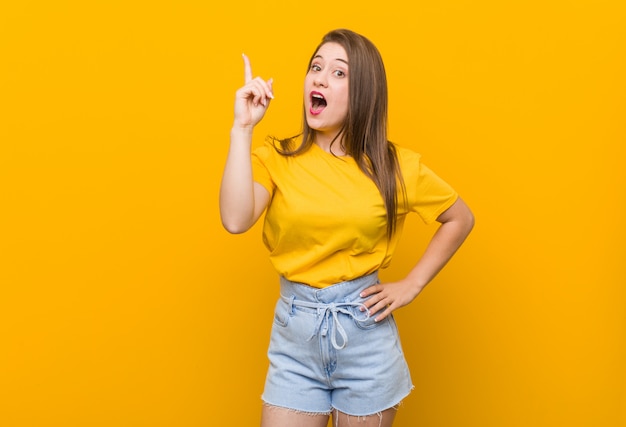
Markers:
318,103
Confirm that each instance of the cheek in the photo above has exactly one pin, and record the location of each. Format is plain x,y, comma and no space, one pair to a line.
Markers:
346,94
307,84
345,97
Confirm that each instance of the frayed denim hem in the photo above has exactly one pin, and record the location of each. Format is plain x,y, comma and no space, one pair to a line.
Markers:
296,411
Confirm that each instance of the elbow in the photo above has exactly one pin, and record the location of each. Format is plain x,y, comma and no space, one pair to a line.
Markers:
234,227
235,224
234,221
462,215
468,221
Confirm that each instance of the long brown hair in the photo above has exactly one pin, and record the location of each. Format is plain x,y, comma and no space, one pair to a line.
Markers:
364,133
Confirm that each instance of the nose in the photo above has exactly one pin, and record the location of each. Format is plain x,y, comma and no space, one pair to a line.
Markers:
320,80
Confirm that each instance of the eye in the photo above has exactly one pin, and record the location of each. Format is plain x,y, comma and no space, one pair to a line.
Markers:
315,67
339,73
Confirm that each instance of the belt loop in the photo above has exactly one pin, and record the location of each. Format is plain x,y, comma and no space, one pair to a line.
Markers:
291,305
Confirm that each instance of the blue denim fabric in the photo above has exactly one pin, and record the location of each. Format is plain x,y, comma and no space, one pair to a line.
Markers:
325,353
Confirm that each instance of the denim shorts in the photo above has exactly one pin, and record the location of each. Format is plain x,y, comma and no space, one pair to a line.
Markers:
325,353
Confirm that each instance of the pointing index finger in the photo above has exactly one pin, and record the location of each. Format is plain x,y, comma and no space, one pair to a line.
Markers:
247,69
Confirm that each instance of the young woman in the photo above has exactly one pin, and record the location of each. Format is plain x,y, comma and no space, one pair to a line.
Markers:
335,198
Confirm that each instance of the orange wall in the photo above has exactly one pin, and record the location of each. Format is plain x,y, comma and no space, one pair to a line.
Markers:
124,303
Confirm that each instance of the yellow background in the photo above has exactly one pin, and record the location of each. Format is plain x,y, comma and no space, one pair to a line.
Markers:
124,303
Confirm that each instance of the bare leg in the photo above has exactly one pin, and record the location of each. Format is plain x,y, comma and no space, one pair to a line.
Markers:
274,416
381,419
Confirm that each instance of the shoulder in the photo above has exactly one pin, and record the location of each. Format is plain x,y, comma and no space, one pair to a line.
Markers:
265,150
273,149
412,167
407,159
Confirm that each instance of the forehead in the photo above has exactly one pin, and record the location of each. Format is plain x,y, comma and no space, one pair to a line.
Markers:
332,51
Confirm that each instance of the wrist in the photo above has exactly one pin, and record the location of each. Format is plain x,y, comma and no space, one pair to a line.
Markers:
416,283
241,135
242,129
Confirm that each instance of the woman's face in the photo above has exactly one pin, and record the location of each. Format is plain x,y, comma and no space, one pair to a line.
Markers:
326,89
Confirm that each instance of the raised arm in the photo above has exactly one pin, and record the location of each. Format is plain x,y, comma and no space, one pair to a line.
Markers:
242,201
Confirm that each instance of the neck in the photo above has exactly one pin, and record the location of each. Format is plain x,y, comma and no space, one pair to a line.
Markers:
325,142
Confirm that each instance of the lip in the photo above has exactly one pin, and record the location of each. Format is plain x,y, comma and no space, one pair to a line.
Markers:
311,111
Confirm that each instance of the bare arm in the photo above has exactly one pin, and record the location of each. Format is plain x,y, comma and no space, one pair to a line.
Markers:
456,223
242,201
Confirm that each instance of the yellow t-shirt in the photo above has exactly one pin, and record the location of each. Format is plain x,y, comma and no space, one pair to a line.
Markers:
326,220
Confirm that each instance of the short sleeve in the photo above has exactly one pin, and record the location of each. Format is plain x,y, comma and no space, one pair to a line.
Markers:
428,195
261,160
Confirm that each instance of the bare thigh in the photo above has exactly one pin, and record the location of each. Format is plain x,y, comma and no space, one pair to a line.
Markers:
381,419
274,416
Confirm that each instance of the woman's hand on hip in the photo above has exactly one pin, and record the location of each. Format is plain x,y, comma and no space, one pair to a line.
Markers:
384,298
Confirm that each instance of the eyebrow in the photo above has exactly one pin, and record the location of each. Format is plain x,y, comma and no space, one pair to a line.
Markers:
337,59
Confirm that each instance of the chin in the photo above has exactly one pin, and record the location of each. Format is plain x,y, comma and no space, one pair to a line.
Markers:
310,121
